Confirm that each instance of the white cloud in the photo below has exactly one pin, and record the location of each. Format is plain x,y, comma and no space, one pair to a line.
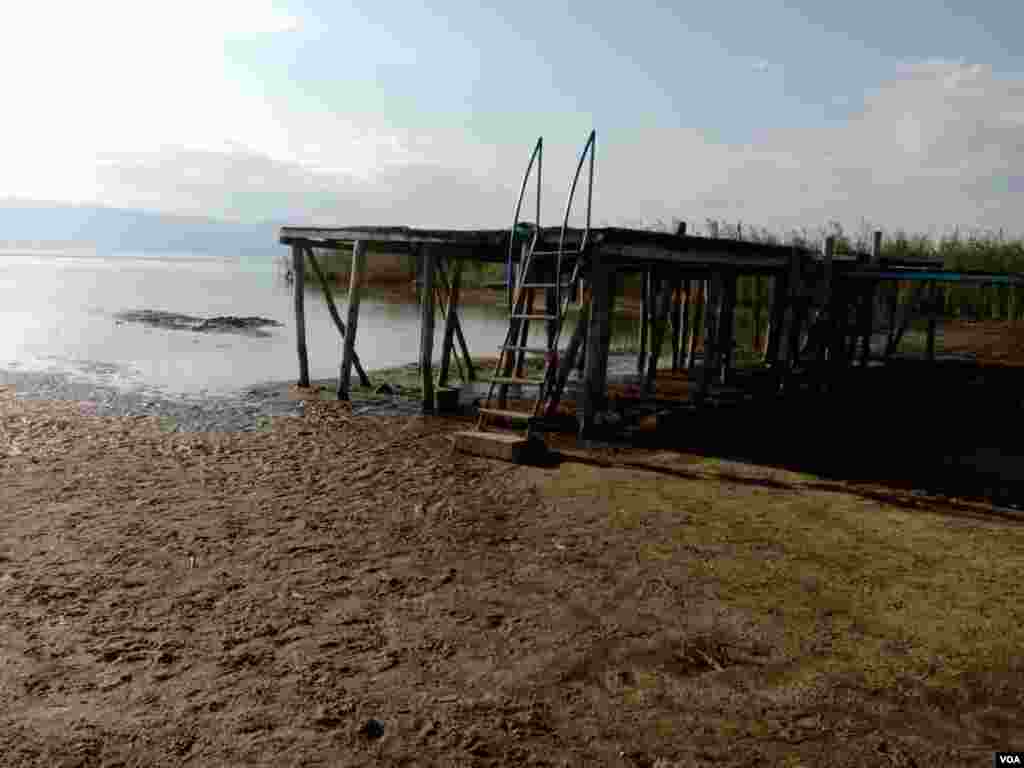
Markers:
147,120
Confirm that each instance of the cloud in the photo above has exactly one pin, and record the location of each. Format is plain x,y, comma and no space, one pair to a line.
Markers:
136,123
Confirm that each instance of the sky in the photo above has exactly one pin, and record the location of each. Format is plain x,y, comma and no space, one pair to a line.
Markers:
778,114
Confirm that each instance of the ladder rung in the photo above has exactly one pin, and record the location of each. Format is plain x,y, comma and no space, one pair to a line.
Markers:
535,317
528,350
555,253
516,380
514,415
564,286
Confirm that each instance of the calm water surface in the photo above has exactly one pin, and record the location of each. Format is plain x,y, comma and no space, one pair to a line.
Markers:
57,314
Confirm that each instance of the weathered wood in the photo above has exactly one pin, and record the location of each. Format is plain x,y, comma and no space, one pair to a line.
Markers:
441,302
645,300
581,360
354,293
661,288
524,331
727,326
797,313
553,300
777,317
450,320
700,292
933,316
333,310
459,337
870,301
711,320
677,321
595,378
429,257
757,303
299,300
497,445
573,352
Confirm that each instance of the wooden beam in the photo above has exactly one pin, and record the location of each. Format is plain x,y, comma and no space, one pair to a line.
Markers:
572,353
777,317
645,300
712,313
299,300
727,325
581,360
459,337
700,291
333,310
758,340
449,322
661,289
354,293
677,315
429,257
933,315
595,379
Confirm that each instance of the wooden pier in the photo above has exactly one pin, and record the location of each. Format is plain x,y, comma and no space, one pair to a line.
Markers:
823,311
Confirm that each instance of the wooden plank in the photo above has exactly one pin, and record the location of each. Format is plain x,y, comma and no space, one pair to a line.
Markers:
497,445
595,378
429,256
354,293
449,322
333,310
299,301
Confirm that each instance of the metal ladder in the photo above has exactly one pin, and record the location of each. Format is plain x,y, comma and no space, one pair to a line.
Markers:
546,270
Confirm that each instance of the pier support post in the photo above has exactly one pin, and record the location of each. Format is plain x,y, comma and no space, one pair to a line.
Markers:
459,337
645,313
450,321
934,307
727,326
870,300
711,324
428,256
662,290
358,273
573,352
777,316
700,292
299,300
595,379
333,310
679,307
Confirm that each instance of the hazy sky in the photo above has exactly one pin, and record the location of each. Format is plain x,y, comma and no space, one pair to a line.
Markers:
776,113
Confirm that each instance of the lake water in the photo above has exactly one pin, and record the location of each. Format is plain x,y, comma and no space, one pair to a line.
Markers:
57,315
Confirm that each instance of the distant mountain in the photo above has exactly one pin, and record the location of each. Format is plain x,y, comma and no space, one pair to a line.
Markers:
117,230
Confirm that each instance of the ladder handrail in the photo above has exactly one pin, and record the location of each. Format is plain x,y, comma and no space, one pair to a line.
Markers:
589,146
538,156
